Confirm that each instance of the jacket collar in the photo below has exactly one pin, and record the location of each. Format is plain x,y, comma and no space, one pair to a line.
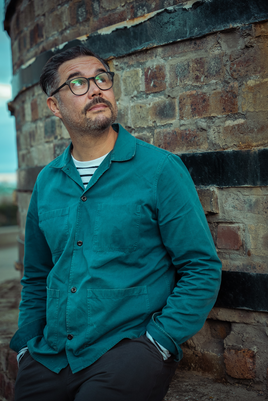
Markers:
124,149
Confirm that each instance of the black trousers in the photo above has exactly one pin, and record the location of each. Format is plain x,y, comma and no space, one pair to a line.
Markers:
133,370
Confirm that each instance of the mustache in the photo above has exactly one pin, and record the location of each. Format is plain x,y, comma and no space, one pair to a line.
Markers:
97,100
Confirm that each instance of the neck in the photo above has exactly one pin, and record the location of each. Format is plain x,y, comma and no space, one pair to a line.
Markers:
87,147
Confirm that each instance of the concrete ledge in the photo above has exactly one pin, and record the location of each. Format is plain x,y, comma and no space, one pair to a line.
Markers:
8,235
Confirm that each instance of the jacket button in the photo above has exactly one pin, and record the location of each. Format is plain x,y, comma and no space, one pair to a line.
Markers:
73,290
70,336
84,198
79,243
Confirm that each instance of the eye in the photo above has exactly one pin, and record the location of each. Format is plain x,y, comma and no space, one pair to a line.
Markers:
101,78
78,82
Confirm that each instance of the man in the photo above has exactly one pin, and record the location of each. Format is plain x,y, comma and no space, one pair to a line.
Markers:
120,267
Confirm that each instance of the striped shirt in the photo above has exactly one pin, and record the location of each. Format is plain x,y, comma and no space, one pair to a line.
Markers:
87,169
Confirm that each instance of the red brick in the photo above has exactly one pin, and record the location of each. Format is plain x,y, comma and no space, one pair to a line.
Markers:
240,364
12,365
179,74
34,109
155,79
187,46
224,101
180,140
198,70
79,12
229,237
20,117
37,33
193,104
108,20
163,111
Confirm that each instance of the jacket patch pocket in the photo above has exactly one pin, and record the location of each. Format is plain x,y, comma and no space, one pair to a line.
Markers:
117,228
113,310
55,226
51,329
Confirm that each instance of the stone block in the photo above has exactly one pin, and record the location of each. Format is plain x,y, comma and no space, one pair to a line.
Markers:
37,33
180,140
12,365
261,29
179,74
57,21
155,79
163,111
258,234
111,5
193,104
51,125
59,148
79,12
188,46
140,115
122,116
34,109
240,364
110,19
255,95
229,237
209,200
145,137
132,82
197,104
117,87
224,101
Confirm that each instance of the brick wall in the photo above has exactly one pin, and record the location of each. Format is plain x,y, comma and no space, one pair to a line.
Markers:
207,94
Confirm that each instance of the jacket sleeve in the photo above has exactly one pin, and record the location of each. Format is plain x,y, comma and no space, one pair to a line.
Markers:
37,265
187,238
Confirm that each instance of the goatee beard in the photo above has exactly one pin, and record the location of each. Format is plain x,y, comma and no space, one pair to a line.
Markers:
91,127
100,123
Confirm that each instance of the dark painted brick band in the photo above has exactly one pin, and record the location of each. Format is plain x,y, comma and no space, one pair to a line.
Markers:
228,169
241,290
222,169
170,25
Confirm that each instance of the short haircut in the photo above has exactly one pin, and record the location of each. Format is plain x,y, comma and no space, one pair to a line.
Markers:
49,79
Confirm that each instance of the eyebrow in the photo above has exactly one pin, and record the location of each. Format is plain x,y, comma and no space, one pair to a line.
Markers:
79,74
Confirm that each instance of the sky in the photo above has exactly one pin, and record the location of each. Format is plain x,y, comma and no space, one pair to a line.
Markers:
8,151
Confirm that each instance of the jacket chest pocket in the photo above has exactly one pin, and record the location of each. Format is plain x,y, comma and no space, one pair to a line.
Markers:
116,228
55,227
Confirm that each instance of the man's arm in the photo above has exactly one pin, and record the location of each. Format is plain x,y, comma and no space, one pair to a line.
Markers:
37,265
186,236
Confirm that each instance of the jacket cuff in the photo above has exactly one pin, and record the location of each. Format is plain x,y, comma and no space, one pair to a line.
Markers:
26,333
164,339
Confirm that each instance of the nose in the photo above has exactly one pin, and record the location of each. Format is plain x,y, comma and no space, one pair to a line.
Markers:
93,90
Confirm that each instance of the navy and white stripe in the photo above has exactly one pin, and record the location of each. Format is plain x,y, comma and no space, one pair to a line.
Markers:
87,169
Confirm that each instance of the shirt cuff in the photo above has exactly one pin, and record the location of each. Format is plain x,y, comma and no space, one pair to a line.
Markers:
163,351
21,354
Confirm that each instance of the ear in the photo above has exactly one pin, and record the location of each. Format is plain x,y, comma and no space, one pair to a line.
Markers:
53,105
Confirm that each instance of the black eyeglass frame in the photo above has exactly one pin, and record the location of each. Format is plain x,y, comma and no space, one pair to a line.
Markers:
88,84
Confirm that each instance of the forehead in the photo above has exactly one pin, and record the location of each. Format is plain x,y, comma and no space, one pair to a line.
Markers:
86,65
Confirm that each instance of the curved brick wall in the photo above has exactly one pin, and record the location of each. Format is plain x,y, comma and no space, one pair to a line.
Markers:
201,95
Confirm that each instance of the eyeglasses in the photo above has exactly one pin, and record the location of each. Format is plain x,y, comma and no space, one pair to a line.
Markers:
80,85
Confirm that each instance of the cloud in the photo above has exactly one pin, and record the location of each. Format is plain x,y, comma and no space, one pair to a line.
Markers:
5,91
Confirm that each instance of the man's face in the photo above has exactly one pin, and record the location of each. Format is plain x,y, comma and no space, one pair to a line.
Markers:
91,113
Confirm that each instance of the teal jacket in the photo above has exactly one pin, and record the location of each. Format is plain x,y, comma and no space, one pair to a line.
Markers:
131,252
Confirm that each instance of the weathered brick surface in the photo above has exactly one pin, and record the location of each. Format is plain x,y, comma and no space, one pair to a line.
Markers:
202,94
229,237
155,79
240,364
178,140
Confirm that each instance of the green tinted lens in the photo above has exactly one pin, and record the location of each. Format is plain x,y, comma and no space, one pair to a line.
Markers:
79,85
104,80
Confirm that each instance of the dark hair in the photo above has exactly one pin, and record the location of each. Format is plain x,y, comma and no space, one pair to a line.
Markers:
49,78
